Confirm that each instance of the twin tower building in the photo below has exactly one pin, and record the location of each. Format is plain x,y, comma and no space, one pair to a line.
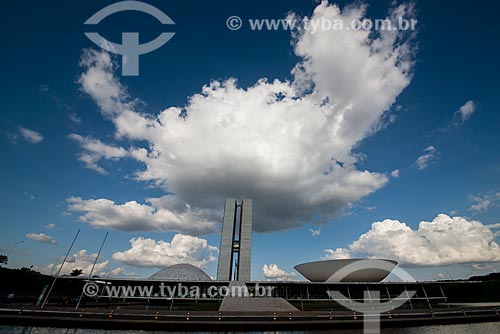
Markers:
236,241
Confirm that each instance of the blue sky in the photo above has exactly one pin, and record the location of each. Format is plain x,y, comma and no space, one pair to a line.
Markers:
438,103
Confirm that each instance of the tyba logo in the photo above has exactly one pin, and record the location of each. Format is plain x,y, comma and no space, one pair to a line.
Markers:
130,49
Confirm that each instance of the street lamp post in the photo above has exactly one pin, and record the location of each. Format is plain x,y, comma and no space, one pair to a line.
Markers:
13,246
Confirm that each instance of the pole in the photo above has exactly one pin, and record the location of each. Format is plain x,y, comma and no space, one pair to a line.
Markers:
92,269
59,271
42,294
57,262
14,245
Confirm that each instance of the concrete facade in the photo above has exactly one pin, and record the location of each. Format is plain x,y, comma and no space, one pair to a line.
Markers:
245,254
236,241
226,241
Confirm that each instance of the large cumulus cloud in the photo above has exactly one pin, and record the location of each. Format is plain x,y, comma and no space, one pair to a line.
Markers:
145,252
442,241
286,144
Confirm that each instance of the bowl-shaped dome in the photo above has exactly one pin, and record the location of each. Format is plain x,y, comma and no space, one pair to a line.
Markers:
359,270
181,272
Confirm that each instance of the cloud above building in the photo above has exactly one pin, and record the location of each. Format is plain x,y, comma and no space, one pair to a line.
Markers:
160,214
444,240
287,144
80,260
145,252
273,272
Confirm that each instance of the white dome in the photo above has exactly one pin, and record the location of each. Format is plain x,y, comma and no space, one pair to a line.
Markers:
181,272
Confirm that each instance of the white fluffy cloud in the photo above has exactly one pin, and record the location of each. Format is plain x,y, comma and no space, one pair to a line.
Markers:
163,214
395,173
287,145
31,136
315,232
181,249
465,112
80,260
337,253
484,202
426,159
95,150
444,240
99,81
272,271
41,237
